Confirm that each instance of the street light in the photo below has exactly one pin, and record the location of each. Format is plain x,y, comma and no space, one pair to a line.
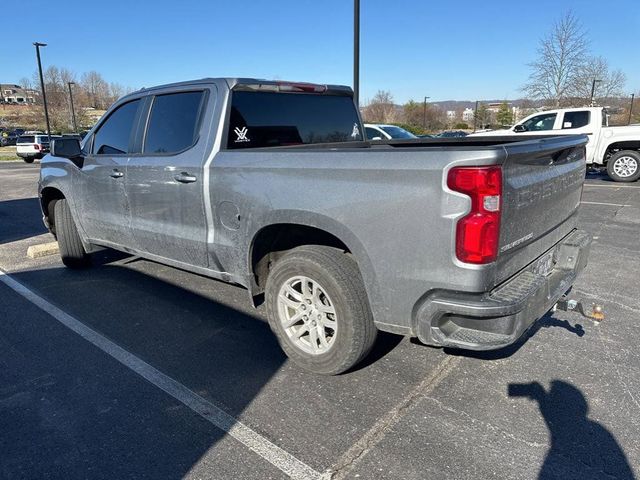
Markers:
631,108
593,89
356,52
44,93
73,112
424,113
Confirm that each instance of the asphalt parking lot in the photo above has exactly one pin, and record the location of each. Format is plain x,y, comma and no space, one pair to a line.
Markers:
137,370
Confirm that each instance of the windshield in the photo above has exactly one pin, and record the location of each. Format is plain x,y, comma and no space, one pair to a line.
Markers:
267,119
397,132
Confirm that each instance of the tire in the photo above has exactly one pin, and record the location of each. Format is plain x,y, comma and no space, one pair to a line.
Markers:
339,311
28,159
72,251
624,166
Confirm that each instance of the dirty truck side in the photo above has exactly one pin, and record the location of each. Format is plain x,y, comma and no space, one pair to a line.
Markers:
270,185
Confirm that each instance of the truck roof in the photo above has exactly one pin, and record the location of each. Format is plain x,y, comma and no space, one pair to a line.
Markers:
234,82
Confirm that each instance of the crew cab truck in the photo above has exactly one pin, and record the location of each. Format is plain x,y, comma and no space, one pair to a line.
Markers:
270,185
617,148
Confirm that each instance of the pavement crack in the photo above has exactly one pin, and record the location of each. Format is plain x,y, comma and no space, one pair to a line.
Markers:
487,425
378,431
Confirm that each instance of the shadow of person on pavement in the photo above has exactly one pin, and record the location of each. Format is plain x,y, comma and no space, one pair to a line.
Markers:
580,448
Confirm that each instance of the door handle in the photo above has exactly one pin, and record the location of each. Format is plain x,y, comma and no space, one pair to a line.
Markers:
116,174
184,177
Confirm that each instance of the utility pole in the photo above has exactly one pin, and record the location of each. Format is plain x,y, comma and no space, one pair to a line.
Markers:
356,52
73,111
424,114
631,108
593,90
44,93
475,117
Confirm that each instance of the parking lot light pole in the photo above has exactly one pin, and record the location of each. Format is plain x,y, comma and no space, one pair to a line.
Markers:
356,52
593,90
44,93
631,108
424,113
475,117
73,112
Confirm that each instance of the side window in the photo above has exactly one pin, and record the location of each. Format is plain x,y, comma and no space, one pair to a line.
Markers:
575,119
112,138
173,123
372,133
540,122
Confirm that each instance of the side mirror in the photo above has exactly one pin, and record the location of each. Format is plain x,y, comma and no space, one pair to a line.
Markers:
66,148
519,128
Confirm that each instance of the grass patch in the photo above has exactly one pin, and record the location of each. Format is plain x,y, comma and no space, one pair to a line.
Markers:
8,153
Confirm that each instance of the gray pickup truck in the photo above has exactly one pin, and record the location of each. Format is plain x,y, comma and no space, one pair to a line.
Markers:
270,185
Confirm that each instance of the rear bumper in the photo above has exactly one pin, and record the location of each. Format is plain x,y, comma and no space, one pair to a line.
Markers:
498,318
37,155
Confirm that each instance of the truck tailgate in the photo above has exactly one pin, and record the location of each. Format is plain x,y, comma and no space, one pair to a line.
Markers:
542,186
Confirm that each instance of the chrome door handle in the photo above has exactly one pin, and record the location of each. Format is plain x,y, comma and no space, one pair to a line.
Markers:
184,177
116,174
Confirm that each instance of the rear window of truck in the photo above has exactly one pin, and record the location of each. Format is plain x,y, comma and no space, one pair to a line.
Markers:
26,139
269,119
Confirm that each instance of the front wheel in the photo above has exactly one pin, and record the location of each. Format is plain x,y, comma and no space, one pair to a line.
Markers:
624,166
72,251
318,309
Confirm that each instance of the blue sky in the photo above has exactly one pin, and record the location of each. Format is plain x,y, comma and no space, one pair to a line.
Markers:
459,50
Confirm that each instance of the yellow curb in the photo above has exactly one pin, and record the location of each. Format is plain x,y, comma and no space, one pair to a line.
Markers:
42,250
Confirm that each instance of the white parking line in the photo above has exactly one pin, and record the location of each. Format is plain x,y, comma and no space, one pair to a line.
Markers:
257,443
610,186
610,204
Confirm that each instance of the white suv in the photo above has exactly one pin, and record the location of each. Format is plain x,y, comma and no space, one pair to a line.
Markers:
32,146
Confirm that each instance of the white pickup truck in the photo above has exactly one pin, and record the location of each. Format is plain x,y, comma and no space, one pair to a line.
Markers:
616,148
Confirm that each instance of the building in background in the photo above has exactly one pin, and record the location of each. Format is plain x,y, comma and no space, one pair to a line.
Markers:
15,94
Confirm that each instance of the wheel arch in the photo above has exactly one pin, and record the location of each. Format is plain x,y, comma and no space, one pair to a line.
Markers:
620,145
285,231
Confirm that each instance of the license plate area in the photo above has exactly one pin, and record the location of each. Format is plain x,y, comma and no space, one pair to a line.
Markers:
544,265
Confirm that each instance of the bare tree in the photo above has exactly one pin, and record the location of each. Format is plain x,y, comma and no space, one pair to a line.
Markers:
609,83
96,89
561,58
26,83
380,109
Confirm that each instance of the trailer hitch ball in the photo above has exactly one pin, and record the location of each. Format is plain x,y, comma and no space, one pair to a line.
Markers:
596,313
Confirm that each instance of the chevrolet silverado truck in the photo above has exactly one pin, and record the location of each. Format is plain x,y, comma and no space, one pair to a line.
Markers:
271,186
617,148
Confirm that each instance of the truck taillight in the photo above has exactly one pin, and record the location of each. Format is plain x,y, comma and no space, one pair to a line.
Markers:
37,147
478,232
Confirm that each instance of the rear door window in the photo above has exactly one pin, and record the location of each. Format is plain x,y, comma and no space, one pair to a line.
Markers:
269,119
173,123
575,119
113,136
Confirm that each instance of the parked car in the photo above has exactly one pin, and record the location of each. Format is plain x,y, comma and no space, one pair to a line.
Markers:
8,138
271,186
386,132
31,147
451,134
616,148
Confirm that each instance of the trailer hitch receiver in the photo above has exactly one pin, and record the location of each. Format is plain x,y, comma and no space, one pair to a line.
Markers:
594,311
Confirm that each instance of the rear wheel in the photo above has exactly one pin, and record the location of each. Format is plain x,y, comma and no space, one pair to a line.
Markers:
28,159
72,251
624,166
318,309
